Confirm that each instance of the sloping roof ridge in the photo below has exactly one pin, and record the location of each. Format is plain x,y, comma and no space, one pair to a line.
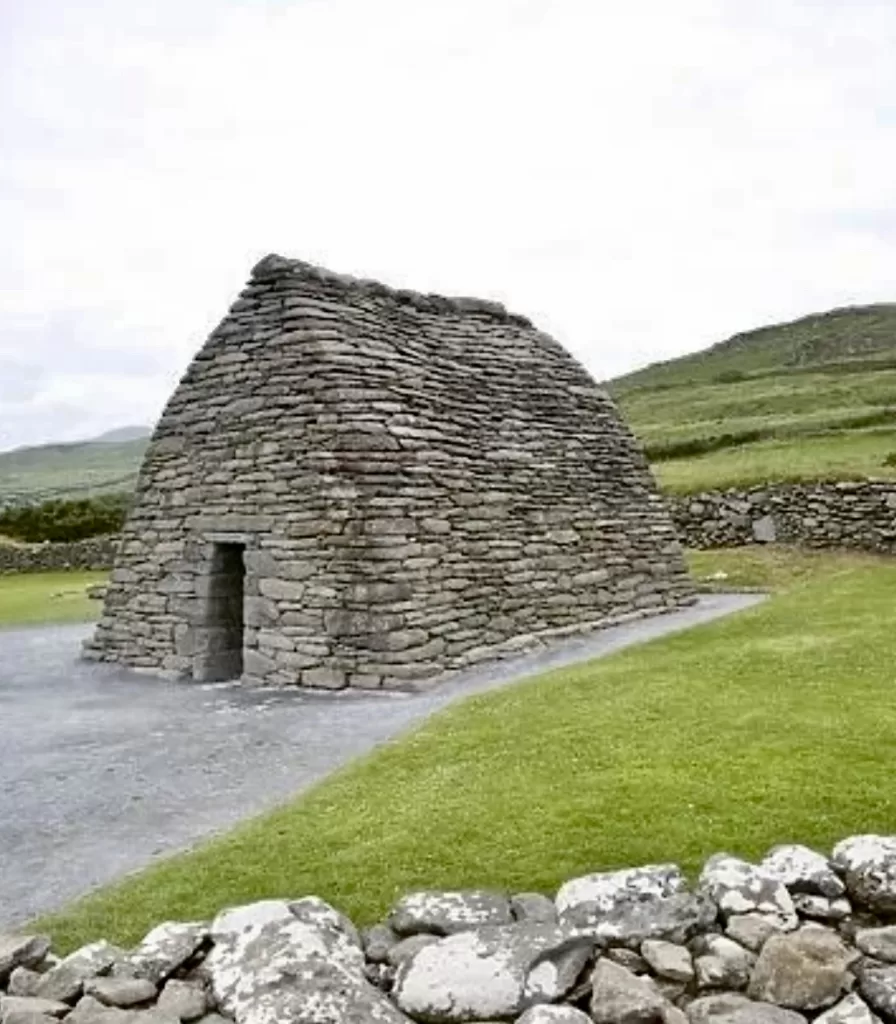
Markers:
274,266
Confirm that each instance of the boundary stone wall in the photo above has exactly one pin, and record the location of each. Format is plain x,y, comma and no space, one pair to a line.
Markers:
858,514
418,484
798,937
94,553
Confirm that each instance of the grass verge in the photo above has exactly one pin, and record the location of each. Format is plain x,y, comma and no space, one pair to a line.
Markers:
47,597
773,725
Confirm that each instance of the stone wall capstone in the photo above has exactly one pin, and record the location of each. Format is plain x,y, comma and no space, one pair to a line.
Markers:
360,486
859,514
95,554
798,937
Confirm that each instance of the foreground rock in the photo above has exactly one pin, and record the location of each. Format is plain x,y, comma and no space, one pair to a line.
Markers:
805,970
869,866
634,905
617,947
490,972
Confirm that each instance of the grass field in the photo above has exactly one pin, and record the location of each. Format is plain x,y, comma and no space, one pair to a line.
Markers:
46,597
773,725
807,400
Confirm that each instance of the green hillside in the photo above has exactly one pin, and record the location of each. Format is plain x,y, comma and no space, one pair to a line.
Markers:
802,400
69,470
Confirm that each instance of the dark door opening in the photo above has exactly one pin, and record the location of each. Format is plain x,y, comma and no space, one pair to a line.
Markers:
221,645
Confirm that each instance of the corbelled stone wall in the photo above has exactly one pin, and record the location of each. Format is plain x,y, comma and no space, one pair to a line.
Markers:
857,514
798,937
414,484
94,553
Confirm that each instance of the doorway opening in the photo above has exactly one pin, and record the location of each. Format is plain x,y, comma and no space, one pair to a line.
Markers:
221,650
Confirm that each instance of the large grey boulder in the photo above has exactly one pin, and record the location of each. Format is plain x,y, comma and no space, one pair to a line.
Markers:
651,902
851,1010
738,887
868,863
804,970
446,913
21,951
166,948
803,870
490,973
620,997
879,943
878,989
269,965
731,1008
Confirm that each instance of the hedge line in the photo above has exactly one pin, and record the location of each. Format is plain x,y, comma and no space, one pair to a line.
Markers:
65,520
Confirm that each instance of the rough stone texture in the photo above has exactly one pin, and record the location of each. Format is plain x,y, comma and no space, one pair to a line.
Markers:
651,902
443,913
668,959
751,930
558,1015
869,866
722,963
857,514
167,947
490,972
412,485
123,992
730,1008
738,887
804,970
65,980
21,951
533,907
878,988
186,1001
620,997
269,965
879,943
803,871
94,553
851,1010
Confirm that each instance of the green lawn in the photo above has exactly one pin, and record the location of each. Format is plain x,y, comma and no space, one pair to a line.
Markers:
776,724
45,597
837,456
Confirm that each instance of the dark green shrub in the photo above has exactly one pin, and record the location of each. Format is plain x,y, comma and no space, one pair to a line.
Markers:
890,459
61,520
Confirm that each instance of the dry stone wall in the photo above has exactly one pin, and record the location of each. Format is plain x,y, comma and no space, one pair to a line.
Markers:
94,553
414,484
857,514
798,937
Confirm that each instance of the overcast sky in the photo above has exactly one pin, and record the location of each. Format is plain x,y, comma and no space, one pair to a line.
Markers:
642,177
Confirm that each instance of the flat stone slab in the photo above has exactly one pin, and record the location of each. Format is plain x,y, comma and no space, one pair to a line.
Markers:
102,769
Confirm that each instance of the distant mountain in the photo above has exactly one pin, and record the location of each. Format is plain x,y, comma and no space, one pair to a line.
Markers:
106,464
134,433
852,336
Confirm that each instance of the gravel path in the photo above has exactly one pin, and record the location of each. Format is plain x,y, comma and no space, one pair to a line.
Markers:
102,770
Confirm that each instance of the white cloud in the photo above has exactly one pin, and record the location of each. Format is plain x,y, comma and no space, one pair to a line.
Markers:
642,178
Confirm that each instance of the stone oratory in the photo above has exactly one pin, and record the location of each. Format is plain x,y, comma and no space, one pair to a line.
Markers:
357,486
